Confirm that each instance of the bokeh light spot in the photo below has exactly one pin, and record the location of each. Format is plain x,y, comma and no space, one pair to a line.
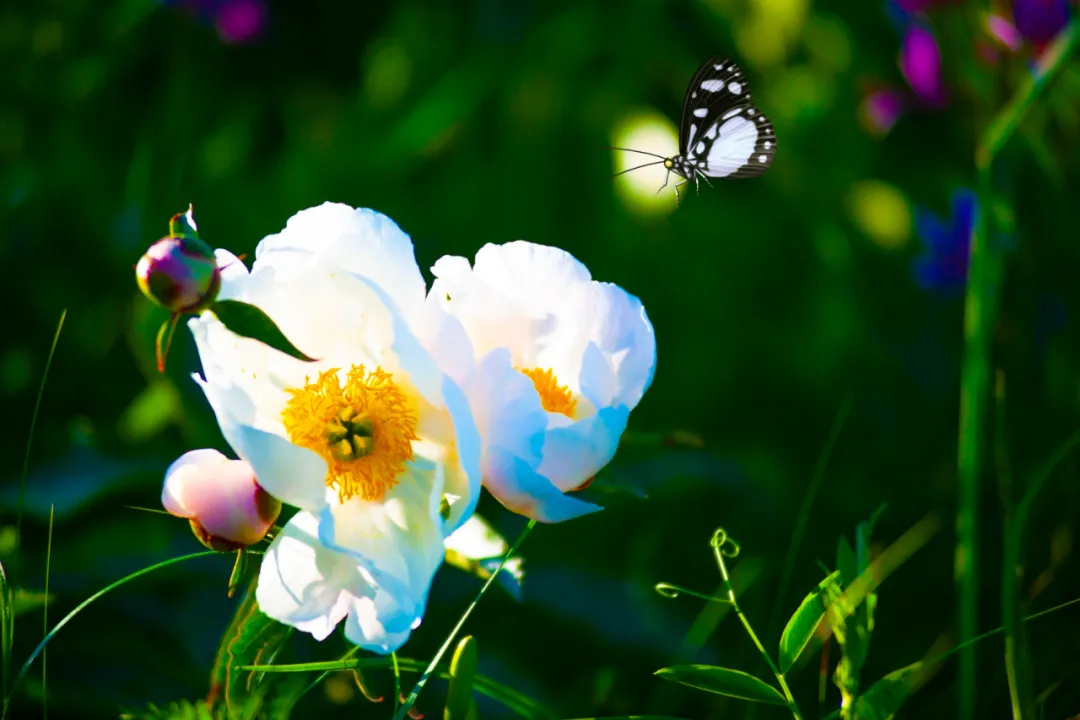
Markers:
882,212
651,132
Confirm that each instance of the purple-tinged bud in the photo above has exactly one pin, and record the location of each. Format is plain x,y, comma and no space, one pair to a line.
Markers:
1040,20
920,62
179,273
227,507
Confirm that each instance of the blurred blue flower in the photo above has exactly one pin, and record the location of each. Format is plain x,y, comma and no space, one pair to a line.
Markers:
942,267
1040,20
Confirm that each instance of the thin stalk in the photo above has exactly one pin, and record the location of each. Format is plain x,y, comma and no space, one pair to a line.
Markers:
980,318
807,505
82,606
33,424
720,544
1017,667
45,621
403,711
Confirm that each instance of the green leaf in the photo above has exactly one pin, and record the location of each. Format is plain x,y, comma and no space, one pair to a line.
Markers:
884,698
183,224
804,623
633,717
251,638
249,321
462,672
180,710
724,681
7,626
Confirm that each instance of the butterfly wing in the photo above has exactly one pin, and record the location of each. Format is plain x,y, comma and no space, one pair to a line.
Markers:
722,134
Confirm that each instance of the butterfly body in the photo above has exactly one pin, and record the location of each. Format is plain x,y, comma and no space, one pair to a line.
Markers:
721,134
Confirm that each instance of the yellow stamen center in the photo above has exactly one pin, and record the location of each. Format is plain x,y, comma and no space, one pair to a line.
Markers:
364,430
554,397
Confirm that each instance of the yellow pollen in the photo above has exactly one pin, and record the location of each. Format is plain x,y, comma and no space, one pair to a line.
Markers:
554,397
364,430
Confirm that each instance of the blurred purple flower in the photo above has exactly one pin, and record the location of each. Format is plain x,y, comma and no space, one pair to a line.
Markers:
236,21
920,62
1040,20
1001,29
915,6
943,265
241,21
881,108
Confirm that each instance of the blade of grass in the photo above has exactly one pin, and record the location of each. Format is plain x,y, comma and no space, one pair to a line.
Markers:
407,705
510,698
1021,692
45,620
397,681
33,424
980,313
82,606
807,505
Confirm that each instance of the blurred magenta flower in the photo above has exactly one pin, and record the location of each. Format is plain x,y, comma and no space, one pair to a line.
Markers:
227,508
915,6
881,107
236,21
943,265
1001,29
920,62
1038,21
179,273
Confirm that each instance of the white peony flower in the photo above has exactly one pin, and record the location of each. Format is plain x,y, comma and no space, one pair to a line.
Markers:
366,441
559,362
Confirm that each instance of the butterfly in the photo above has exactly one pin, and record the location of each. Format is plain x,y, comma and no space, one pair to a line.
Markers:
721,133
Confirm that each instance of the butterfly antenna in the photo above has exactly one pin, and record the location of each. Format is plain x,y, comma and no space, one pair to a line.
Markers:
636,168
640,152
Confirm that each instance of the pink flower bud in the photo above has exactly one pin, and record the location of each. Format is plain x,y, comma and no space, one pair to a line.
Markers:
227,508
179,273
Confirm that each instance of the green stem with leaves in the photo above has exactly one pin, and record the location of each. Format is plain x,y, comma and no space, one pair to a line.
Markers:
722,546
980,319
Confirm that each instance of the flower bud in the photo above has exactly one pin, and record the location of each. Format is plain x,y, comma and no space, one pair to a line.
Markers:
179,273
227,508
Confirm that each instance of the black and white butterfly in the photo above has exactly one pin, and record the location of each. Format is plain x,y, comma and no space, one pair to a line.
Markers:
721,134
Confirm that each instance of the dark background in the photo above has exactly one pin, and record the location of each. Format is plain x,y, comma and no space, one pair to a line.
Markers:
773,300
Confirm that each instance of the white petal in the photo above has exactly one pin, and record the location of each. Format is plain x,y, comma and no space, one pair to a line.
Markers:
233,275
476,539
507,408
462,477
292,474
361,241
575,453
524,490
620,328
377,625
172,494
398,540
306,585
525,269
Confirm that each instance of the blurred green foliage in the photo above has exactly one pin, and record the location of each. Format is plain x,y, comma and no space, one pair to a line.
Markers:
478,122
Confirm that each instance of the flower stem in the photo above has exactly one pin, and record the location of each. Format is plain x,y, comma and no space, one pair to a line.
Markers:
980,318
403,711
723,545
